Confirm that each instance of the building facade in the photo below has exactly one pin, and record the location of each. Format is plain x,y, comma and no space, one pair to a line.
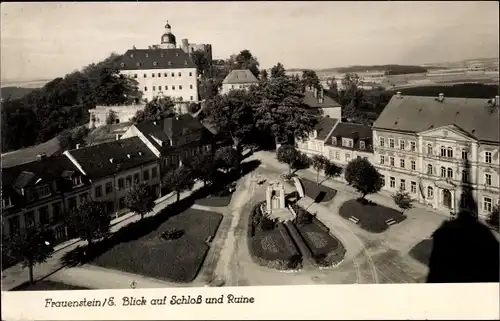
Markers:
238,79
316,99
162,70
443,151
123,114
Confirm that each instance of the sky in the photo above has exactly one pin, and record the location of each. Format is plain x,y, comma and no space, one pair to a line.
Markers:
49,39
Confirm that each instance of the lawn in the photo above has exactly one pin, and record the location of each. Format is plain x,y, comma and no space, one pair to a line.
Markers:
218,199
46,285
372,217
176,260
319,193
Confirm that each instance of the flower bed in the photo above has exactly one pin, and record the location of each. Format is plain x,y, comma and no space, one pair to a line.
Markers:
270,244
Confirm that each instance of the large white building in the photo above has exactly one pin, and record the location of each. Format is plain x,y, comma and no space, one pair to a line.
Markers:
162,70
443,150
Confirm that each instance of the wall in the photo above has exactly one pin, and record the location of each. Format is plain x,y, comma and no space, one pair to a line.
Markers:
153,86
124,114
228,87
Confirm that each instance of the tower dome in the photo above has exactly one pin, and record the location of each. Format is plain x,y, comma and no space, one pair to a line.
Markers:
168,38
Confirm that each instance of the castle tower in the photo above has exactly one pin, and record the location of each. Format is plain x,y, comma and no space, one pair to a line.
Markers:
168,38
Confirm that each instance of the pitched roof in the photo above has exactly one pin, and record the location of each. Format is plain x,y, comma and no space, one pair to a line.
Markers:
96,161
324,126
138,59
356,132
417,114
240,76
313,102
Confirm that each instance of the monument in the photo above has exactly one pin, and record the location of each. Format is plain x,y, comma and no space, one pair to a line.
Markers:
275,196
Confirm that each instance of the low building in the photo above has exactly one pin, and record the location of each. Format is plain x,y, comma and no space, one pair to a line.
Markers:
316,99
123,114
173,139
238,79
315,143
115,167
443,150
40,193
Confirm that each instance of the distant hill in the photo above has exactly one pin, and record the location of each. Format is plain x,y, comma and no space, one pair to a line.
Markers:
458,90
14,92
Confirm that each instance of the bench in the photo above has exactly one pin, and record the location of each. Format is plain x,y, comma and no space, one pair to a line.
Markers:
353,219
390,221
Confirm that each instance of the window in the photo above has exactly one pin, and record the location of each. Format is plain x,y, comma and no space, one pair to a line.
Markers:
382,179
413,165
429,149
337,155
429,169
232,86
128,181
465,154
487,204
401,144
190,86
413,146
430,192
121,183
98,191
152,75
487,157
159,74
159,88
43,191
450,172
179,73
43,213
6,202
391,142
391,160
109,187
145,174
382,159
413,187
29,218
361,145
347,157
14,225
402,163
56,211
154,88
173,87
146,55
145,88
135,75
465,176
180,87
138,64
121,203
191,98
392,182
145,76
190,74
334,140
154,172
137,178
346,142
449,152
165,75
166,87
382,141
402,185
443,172
487,179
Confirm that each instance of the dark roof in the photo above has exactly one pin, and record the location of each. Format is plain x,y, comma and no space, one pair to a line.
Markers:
313,102
240,76
417,114
356,132
154,59
324,126
95,159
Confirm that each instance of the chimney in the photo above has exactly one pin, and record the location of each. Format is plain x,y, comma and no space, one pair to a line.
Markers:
41,156
315,93
129,156
441,97
154,122
185,45
111,160
117,136
77,146
495,101
398,95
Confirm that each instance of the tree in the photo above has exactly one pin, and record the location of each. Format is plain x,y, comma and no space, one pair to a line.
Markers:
318,163
32,246
332,170
202,166
245,60
281,111
287,154
226,158
278,71
201,61
232,115
332,90
156,109
141,199
493,217
193,108
179,180
310,79
403,200
111,117
89,221
263,75
363,176
114,88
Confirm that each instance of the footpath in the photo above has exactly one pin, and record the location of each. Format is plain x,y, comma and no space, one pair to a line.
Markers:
16,275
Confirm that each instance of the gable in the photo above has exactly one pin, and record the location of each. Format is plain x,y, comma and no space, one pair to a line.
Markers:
451,132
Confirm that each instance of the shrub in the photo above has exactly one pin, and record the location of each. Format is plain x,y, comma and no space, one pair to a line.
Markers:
172,234
267,224
303,217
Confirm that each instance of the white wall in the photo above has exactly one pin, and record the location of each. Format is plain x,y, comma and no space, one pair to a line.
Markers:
228,87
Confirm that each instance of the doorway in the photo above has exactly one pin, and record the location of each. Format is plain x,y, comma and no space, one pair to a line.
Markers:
447,198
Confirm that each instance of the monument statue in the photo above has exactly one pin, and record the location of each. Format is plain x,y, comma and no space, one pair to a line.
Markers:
275,196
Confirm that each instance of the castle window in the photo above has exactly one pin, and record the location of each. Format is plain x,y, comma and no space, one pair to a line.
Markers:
180,87
145,88
159,88
443,151
173,75
138,64
159,74
464,154
449,152
191,98
154,88
155,63
429,169
179,74
165,75
190,74
146,55
145,76
166,87
443,172
135,75
450,172
169,63
153,75
173,87
190,86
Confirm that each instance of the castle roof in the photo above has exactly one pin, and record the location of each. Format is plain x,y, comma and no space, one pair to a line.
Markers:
139,59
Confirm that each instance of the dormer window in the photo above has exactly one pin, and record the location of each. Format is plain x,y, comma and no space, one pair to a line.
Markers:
362,145
146,55
334,140
346,142
77,180
6,202
43,191
169,63
138,64
177,54
122,64
155,63
162,55
131,55
185,62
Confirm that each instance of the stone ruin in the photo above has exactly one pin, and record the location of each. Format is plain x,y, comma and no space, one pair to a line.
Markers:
276,206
